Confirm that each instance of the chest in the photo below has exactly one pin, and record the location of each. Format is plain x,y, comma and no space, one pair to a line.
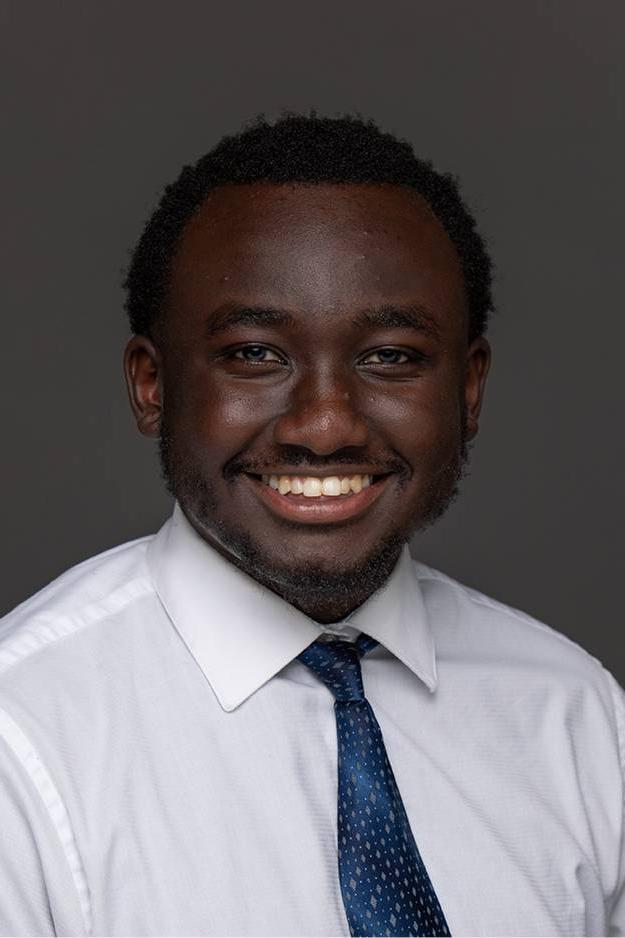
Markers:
205,822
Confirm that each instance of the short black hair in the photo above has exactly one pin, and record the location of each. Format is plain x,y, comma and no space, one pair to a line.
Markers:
309,149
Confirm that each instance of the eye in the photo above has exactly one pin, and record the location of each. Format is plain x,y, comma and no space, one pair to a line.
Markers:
389,356
256,354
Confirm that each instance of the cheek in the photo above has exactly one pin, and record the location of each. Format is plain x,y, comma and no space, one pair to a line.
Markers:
420,419
217,420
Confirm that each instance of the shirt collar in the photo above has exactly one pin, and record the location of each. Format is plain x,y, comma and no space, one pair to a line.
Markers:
242,634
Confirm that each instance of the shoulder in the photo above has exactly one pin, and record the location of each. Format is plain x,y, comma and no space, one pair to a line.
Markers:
82,598
487,629
515,656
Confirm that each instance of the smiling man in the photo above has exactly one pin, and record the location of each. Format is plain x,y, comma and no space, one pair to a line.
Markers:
268,719
314,381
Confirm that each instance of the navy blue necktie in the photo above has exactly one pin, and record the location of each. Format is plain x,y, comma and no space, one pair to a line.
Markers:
385,886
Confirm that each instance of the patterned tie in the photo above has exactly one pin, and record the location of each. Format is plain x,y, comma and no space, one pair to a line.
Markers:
385,886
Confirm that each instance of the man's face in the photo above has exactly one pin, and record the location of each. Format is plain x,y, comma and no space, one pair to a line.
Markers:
312,332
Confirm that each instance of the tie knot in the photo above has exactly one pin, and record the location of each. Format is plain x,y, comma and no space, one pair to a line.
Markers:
337,664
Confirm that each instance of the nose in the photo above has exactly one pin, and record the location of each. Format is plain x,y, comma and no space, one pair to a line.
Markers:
321,416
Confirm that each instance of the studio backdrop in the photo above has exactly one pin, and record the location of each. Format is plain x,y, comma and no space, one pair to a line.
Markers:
104,102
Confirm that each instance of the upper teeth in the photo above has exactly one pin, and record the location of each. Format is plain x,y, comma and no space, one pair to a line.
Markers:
313,486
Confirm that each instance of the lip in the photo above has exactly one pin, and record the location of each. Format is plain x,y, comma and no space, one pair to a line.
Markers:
323,509
327,471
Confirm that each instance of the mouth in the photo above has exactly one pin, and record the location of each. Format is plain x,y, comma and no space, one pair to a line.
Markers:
318,499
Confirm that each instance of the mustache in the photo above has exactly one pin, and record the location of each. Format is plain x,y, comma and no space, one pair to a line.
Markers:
302,459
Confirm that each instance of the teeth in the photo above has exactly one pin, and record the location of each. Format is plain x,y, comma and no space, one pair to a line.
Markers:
331,486
313,487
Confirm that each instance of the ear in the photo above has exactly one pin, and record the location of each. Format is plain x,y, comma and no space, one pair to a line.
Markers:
478,363
142,368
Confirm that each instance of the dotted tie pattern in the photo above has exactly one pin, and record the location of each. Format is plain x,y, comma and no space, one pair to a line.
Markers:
385,886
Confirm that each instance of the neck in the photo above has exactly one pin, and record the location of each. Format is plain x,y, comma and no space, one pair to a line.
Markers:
319,606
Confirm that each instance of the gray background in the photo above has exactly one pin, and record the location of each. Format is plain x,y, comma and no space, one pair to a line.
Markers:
106,101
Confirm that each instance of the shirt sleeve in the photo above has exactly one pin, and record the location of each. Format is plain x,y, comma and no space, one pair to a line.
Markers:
38,893
616,922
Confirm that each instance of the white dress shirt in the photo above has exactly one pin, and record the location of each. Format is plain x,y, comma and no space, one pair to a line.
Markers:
167,768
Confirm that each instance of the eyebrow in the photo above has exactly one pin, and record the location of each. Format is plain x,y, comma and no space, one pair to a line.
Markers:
399,317
411,316
233,316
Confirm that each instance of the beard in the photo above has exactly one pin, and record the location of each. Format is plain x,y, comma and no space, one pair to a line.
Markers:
311,586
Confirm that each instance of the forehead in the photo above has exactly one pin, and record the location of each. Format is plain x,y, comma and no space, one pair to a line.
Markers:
316,248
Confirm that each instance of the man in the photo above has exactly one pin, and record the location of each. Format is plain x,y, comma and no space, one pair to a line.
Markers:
268,719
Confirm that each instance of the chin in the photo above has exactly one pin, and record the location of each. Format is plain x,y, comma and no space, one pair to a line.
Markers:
316,572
